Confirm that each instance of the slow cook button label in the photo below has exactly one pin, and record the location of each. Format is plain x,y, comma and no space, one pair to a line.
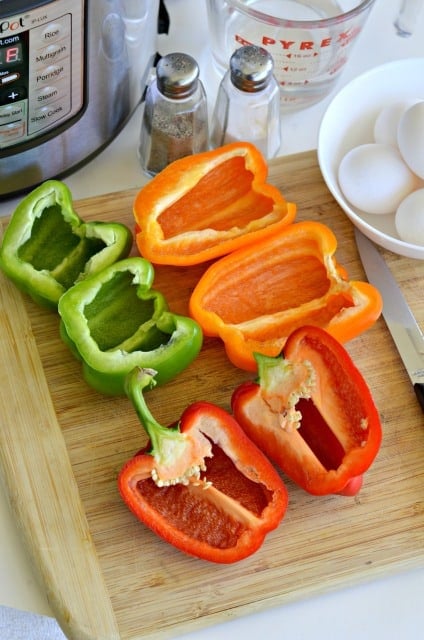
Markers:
48,115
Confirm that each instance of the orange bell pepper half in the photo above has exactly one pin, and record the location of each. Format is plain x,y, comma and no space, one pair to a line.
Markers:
312,413
201,485
206,205
255,297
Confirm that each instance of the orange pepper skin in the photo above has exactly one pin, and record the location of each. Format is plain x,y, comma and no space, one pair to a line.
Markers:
329,446
255,297
204,206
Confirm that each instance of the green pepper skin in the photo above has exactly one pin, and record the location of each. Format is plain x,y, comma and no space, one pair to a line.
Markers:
46,247
114,321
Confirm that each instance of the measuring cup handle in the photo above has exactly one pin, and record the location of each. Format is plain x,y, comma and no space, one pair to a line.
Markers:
407,17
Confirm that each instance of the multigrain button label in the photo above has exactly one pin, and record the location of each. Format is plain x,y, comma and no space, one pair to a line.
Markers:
51,53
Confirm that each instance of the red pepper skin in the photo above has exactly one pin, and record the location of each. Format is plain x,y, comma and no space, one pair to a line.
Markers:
224,522
339,432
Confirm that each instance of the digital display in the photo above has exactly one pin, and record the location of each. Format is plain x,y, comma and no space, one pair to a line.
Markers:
10,55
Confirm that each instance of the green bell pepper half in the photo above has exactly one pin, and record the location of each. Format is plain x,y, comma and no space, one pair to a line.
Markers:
114,321
46,247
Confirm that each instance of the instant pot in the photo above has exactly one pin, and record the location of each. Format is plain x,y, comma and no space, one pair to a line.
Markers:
71,74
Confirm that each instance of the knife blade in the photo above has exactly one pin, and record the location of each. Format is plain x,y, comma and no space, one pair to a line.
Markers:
405,331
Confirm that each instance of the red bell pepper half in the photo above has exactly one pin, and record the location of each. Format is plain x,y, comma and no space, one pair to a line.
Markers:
204,487
312,413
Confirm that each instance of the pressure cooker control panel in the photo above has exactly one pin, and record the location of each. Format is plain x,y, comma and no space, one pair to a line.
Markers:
41,70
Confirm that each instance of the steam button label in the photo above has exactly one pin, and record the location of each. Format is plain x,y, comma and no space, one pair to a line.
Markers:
47,94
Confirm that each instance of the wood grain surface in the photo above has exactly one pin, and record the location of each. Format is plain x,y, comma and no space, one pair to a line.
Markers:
62,444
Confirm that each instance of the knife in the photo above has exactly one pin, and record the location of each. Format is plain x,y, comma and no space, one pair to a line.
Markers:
399,318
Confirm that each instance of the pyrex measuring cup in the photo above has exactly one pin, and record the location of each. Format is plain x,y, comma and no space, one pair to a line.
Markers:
309,40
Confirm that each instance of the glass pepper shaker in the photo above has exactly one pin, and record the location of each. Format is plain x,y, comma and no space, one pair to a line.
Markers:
248,102
175,120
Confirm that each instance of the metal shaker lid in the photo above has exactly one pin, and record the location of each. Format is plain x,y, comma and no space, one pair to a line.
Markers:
177,75
251,68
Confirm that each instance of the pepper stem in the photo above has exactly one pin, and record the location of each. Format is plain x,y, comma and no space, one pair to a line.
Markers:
136,382
282,384
178,456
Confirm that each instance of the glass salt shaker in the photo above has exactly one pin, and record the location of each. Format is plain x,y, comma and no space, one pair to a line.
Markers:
175,120
248,102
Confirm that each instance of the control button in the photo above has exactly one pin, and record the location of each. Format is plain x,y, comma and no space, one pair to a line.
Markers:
9,133
12,94
48,94
52,53
57,33
53,72
47,115
10,77
54,31
12,112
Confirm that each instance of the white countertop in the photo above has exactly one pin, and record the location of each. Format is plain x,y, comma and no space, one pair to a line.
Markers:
389,608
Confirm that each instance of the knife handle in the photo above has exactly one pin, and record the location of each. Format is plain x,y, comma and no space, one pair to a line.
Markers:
419,392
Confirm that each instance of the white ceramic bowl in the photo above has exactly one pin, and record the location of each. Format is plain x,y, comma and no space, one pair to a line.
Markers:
349,121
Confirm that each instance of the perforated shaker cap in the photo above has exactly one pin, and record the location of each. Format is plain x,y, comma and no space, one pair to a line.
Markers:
177,75
251,68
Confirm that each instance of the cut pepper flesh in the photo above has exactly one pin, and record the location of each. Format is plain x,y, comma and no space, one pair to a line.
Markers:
201,485
114,321
207,205
219,484
255,297
312,412
233,202
47,248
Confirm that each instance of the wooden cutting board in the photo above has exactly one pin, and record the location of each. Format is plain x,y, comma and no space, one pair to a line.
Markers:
62,445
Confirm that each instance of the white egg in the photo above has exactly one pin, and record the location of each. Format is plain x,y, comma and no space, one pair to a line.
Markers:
387,121
411,137
373,177
409,218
